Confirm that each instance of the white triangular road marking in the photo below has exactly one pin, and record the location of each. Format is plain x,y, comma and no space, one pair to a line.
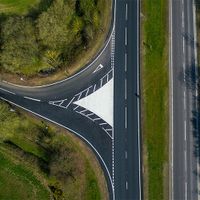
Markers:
100,102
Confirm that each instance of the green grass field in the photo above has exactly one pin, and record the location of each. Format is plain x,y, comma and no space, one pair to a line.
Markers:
155,97
17,182
16,6
38,161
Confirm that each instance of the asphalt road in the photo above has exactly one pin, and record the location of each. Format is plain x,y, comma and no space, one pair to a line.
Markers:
127,160
184,102
119,152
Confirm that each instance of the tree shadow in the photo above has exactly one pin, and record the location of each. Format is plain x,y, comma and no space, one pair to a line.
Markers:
190,79
190,40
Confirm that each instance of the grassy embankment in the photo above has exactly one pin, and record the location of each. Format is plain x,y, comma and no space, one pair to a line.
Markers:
16,6
38,161
79,33
155,98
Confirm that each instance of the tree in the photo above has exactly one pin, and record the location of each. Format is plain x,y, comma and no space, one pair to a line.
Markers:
19,48
53,26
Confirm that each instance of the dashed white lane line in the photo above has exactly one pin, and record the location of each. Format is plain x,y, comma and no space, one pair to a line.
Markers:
125,88
126,185
185,190
33,99
126,155
185,130
185,160
125,58
183,25
126,36
7,91
125,117
126,11
183,46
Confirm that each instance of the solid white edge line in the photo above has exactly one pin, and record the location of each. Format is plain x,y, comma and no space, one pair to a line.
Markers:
171,182
196,72
80,136
7,91
138,99
33,99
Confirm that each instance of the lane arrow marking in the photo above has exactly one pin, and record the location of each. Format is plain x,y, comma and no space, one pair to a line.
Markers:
98,68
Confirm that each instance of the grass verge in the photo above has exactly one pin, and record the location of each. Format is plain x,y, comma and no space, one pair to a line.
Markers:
16,6
44,161
155,98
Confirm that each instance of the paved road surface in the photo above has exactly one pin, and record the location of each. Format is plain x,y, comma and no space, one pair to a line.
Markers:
185,142
127,160
118,151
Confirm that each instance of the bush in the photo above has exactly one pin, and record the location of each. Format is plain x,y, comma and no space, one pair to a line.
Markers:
48,37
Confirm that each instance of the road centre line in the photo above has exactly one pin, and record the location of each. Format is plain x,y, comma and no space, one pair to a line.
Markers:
126,185
185,190
126,11
126,36
7,91
125,87
125,117
126,155
185,130
183,45
183,16
33,99
125,58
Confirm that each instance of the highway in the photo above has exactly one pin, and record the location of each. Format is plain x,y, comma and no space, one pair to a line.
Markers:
127,142
184,116
117,148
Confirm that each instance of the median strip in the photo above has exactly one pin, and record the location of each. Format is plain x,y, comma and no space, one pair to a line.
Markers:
154,57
